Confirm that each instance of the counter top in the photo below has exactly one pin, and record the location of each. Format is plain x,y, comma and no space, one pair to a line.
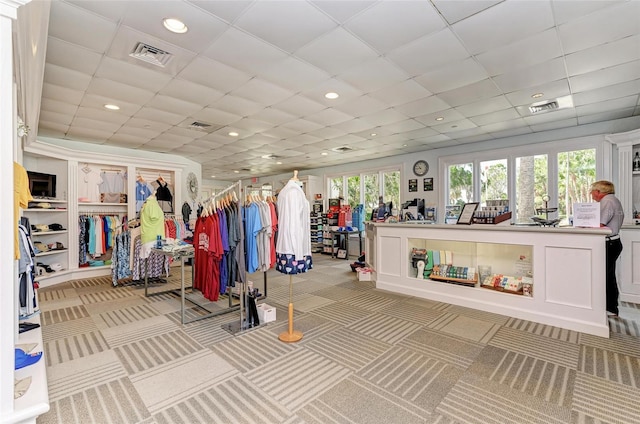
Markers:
481,227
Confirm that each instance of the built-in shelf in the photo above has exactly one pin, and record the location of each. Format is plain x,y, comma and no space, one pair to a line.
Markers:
47,233
101,204
50,252
45,210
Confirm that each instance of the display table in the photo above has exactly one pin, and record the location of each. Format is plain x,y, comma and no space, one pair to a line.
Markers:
346,235
567,266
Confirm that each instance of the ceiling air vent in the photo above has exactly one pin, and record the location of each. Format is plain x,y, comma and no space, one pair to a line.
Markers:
196,125
342,149
543,107
551,105
150,54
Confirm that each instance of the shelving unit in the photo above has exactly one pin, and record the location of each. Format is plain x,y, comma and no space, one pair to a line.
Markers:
58,214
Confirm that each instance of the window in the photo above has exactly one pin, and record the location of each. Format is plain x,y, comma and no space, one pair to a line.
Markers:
525,175
366,188
460,184
531,186
493,181
576,173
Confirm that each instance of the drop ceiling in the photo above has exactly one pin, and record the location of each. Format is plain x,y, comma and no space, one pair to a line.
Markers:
411,76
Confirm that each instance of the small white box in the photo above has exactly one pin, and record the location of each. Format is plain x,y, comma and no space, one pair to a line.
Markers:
266,313
364,274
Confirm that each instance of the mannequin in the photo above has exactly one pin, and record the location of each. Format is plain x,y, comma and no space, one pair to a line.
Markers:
293,247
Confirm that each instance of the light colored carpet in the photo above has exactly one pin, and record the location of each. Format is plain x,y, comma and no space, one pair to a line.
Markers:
367,356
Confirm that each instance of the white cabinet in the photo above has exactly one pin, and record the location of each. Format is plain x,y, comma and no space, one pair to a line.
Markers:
568,268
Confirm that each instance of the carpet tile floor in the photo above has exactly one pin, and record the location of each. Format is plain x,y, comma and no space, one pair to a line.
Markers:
367,356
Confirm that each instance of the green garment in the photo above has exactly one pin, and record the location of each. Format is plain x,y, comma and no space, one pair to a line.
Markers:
151,220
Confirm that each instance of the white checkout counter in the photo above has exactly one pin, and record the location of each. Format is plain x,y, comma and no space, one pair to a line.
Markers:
567,265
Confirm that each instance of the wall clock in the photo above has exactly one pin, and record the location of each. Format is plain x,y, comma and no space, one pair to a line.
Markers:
421,168
192,185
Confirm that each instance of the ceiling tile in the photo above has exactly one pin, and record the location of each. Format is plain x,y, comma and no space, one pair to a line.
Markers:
603,77
565,11
610,92
228,10
201,69
341,10
58,105
302,125
452,127
493,117
404,92
423,106
529,51
361,106
262,92
327,133
173,105
159,115
441,48
449,116
374,75
287,25
72,56
553,116
57,92
611,54
132,75
299,106
452,76
191,92
118,91
59,118
384,117
471,93
57,75
454,11
608,105
532,76
272,116
114,120
484,106
323,53
237,105
147,16
390,24
621,21
293,73
517,20
549,91
243,51
329,116
89,30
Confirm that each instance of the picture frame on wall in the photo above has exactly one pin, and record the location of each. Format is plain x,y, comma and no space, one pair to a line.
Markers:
413,185
427,184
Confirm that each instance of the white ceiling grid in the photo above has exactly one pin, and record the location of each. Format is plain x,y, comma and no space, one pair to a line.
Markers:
261,69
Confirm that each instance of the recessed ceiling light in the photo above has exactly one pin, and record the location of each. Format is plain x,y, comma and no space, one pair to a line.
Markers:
439,118
236,171
404,145
112,107
213,176
324,153
332,95
175,25
537,95
373,134
233,134
278,163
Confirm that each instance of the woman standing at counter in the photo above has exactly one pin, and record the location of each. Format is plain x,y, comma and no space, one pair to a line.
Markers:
611,216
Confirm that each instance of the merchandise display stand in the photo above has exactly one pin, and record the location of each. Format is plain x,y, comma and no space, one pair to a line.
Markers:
291,335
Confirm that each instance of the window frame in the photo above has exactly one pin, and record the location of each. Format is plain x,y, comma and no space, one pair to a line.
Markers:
551,149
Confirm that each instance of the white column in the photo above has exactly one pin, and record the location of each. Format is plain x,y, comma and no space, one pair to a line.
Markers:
624,189
8,313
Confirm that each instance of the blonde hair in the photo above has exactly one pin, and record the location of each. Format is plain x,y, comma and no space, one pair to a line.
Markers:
604,186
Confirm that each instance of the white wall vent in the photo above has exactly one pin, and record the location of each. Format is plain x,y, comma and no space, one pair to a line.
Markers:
150,54
551,105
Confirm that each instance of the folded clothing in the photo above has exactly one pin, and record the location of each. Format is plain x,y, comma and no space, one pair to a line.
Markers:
96,263
24,359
